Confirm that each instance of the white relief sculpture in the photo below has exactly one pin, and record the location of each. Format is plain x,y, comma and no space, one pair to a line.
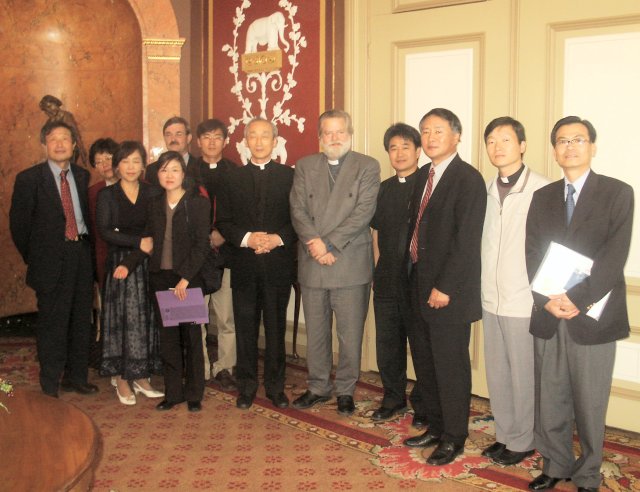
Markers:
263,84
266,30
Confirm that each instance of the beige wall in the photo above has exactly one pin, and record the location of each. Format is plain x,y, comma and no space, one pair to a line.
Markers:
518,69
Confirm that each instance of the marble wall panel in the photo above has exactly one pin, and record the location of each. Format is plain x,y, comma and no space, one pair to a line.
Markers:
91,59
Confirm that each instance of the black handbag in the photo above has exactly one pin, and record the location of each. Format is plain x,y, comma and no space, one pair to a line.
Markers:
212,271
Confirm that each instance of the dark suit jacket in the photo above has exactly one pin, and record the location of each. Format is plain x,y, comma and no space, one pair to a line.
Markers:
237,216
196,169
449,242
601,230
37,222
100,247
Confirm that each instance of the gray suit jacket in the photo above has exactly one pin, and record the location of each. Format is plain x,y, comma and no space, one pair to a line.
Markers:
340,216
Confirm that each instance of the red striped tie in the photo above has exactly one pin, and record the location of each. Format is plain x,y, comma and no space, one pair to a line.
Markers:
413,248
71,228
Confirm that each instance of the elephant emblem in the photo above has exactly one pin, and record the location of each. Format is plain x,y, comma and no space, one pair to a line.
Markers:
266,30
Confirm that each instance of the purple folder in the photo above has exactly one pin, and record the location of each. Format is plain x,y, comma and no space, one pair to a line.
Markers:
174,311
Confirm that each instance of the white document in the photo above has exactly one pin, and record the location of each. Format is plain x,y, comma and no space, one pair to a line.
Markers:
561,269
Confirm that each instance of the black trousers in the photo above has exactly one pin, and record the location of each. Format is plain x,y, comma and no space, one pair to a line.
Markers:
250,302
63,331
177,362
393,318
440,354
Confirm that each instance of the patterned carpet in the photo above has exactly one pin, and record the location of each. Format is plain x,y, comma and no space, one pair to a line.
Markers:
223,448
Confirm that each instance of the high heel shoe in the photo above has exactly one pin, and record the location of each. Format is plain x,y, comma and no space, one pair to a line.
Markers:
126,400
149,393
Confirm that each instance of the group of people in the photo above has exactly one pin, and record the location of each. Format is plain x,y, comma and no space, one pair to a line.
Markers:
440,247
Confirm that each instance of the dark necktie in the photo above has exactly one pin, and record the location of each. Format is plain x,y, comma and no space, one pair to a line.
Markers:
413,247
571,204
70,228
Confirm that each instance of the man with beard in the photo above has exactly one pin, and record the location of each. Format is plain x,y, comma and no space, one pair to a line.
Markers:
332,202
177,136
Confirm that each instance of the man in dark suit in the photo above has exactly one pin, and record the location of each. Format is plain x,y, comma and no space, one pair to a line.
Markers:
212,137
253,217
574,353
445,233
48,221
177,137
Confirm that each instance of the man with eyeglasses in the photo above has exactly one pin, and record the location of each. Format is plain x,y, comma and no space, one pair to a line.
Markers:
591,214
212,138
333,200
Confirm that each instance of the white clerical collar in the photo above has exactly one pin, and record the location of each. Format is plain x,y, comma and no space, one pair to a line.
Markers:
402,179
261,166
334,162
213,166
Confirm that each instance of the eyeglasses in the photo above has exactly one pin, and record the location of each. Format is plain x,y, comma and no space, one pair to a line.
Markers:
104,160
578,141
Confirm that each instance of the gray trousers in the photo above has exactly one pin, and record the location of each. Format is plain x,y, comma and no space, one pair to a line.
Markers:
350,305
573,383
508,349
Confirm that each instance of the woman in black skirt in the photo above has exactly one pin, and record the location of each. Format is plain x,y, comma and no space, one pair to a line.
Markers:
179,223
130,350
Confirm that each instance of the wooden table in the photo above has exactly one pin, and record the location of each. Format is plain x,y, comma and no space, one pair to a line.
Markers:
46,444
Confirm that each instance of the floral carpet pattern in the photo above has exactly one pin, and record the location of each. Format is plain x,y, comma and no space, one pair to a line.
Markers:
264,448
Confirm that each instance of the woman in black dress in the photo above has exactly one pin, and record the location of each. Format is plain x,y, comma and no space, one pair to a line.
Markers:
179,223
130,350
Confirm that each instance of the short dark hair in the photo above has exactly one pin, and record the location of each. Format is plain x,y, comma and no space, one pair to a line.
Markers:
125,149
335,113
101,146
211,125
571,120
515,125
49,99
403,130
448,116
49,126
175,120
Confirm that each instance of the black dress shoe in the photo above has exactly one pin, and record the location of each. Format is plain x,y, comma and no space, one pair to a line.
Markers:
81,388
419,421
495,450
244,402
308,399
225,380
345,405
279,400
422,441
167,405
543,482
509,457
52,394
445,453
194,406
386,413
588,489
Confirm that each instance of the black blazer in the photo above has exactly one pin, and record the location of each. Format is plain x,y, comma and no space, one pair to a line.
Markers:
601,230
37,222
190,235
236,216
449,242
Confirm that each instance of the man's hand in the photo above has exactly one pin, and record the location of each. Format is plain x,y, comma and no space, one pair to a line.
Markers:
121,272
146,245
316,248
180,290
438,299
256,240
561,307
215,239
271,241
327,259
